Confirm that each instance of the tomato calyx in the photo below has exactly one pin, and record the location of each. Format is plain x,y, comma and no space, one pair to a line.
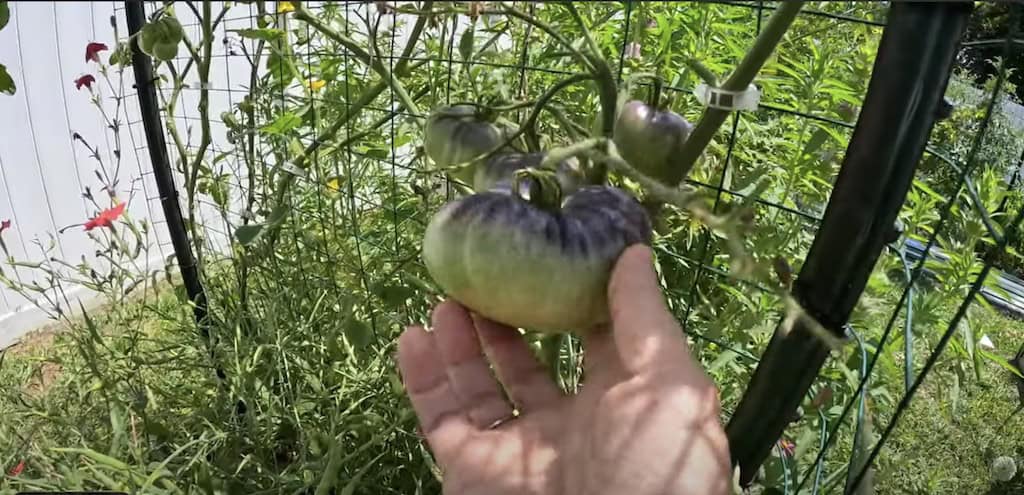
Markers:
539,187
499,171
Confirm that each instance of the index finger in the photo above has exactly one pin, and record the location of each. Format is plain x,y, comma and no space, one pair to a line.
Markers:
645,332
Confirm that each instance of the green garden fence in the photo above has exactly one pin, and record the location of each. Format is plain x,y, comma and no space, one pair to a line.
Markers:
915,56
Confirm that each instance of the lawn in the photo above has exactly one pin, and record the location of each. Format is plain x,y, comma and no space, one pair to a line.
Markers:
937,448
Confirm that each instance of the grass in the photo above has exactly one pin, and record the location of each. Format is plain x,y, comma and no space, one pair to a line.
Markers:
46,404
940,448
348,406
158,414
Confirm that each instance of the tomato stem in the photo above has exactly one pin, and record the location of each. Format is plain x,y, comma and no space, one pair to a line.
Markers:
362,55
733,225
703,72
654,99
365,99
513,12
607,89
626,93
740,79
713,118
542,102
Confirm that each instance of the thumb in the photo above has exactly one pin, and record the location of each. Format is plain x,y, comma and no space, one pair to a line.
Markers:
644,330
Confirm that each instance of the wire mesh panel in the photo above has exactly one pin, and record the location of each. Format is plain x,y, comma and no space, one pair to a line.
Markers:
302,186
336,191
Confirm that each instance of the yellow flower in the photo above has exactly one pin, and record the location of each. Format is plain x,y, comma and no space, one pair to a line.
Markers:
283,7
315,85
334,184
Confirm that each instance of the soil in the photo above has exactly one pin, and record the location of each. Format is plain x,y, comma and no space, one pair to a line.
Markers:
36,343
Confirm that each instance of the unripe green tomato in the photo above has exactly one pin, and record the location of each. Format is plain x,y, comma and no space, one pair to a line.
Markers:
160,38
147,38
456,134
165,51
174,33
545,270
651,140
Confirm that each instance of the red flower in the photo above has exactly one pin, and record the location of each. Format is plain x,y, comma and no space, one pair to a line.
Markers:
106,217
92,51
788,448
85,80
4,225
16,470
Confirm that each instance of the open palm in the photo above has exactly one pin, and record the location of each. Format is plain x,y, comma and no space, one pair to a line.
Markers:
646,420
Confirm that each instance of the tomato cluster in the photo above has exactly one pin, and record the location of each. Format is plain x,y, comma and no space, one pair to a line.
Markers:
529,265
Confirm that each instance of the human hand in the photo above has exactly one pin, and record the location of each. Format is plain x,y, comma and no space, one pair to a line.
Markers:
645,421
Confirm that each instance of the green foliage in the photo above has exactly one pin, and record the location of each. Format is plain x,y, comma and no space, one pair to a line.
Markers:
6,81
986,34
320,194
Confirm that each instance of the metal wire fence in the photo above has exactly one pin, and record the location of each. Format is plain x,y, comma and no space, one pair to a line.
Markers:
343,157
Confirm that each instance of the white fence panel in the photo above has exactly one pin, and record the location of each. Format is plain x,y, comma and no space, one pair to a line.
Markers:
43,172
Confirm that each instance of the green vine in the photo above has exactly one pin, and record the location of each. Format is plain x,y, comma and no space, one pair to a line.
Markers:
360,54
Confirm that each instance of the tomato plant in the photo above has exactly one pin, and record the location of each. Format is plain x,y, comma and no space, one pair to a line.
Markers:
320,181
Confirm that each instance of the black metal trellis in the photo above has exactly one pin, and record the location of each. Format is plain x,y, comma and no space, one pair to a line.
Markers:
150,110
908,81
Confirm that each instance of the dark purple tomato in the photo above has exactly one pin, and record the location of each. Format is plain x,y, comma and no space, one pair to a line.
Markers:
457,135
540,269
651,140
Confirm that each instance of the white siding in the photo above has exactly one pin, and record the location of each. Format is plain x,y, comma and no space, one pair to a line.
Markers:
42,172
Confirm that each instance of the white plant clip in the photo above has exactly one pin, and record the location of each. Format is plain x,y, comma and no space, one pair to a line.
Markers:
293,169
723,99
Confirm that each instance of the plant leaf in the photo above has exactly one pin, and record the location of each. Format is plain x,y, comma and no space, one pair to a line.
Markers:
393,295
466,43
1001,362
358,333
350,487
283,123
5,13
265,34
121,55
860,456
247,234
723,359
6,81
954,395
103,459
